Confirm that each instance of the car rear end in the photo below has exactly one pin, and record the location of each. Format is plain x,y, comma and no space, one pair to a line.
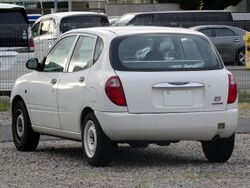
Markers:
167,86
16,44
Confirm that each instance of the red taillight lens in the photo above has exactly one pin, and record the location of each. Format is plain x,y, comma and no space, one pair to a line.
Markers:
232,89
31,44
115,92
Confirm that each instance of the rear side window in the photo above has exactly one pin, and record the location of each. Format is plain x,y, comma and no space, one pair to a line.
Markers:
156,52
83,54
74,22
223,32
13,28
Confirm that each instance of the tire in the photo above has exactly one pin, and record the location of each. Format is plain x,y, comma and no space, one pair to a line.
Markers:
25,139
97,147
241,56
138,144
219,151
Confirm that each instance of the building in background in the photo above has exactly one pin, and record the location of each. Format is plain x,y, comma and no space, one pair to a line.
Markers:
244,6
121,6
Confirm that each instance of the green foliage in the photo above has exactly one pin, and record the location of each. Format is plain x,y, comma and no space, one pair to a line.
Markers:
4,107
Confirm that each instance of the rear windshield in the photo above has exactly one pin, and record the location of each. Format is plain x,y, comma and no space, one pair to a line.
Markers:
75,22
13,29
157,52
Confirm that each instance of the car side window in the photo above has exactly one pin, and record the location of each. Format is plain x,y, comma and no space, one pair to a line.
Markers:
223,32
82,57
47,27
35,30
142,20
98,49
58,56
207,32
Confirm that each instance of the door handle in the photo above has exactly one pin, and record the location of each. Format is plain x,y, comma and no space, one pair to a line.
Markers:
53,81
236,40
81,79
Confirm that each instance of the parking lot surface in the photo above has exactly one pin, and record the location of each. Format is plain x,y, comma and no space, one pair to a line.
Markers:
60,163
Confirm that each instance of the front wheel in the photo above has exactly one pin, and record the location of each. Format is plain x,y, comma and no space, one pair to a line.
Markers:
25,139
97,146
219,151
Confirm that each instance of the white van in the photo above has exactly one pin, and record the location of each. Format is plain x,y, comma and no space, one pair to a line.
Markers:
49,27
16,45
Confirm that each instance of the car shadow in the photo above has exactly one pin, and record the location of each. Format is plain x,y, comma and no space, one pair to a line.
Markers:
127,156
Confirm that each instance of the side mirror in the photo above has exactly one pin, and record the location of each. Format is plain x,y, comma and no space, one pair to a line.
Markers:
33,64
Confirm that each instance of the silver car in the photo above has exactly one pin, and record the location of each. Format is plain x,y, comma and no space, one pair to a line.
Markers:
228,41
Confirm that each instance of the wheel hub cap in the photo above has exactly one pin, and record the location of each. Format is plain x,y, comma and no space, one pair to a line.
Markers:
90,138
20,125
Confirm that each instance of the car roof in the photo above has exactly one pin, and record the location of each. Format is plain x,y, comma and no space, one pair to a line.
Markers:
130,30
59,15
179,11
216,26
65,14
10,6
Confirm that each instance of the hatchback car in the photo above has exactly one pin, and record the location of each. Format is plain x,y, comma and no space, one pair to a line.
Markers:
228,40
141,85
49,27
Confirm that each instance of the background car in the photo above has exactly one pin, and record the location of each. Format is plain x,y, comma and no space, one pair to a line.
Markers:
112,19
49,27
228,41
175,18
136,85
16,45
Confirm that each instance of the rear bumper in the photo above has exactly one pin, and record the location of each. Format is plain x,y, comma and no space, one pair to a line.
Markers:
168,126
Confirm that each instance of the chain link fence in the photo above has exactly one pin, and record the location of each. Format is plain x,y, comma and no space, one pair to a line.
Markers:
17,46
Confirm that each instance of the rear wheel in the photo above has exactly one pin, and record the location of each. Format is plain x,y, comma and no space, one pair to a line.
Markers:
219,151
25,139
241,57
97,146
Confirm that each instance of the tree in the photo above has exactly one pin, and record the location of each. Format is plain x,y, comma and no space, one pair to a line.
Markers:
218,4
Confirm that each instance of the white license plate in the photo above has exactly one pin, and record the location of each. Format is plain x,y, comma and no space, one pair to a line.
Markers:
178,98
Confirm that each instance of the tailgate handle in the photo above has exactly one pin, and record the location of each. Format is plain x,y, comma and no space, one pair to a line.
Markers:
179,85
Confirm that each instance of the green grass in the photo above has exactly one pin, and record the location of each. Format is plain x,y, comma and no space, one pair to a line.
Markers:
244,97
4,106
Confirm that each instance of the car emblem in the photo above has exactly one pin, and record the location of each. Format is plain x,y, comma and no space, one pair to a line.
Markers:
217,100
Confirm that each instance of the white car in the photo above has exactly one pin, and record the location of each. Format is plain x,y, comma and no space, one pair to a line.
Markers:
136,85
49,27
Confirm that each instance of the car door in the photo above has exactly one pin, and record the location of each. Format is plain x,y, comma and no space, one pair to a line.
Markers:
45,38
43,85
73,83
226,42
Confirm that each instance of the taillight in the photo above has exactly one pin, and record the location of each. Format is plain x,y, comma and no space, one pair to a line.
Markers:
115,92
31,41
31,44
232,89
